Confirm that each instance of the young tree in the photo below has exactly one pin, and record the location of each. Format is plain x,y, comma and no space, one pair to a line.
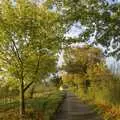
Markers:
29,39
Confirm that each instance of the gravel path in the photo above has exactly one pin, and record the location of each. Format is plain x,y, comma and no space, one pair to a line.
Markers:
73,109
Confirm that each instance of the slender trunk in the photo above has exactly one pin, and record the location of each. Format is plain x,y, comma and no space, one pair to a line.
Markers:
22,102
32,92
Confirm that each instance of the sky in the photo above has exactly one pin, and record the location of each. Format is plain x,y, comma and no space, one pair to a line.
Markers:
113,1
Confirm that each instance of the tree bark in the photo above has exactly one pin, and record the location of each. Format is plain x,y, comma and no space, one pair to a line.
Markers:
22,100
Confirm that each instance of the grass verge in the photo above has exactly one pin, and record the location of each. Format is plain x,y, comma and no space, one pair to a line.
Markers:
41,108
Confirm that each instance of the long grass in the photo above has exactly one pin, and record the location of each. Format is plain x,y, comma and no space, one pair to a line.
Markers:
38,108
105,97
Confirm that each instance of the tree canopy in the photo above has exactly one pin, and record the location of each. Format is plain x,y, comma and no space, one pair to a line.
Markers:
86,63
30,37
100,19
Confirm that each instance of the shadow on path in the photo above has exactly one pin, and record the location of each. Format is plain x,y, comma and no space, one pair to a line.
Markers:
73,109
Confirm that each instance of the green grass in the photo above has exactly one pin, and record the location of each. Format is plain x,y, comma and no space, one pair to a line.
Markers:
43,107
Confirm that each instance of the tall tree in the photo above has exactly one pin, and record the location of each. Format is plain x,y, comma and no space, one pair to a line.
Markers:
84,66
28,42
99,17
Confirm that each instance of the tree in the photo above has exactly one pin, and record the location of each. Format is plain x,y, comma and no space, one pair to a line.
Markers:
84,66
56,80
100,18
28,42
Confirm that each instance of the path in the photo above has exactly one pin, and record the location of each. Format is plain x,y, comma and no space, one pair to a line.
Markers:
73,109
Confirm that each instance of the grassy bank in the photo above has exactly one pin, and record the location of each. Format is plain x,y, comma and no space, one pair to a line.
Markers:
38,108
102,103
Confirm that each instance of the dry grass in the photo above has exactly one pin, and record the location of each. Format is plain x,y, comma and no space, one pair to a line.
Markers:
110,112
13,114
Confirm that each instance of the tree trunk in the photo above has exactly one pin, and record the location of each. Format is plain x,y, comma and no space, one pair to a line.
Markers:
22,102
32,92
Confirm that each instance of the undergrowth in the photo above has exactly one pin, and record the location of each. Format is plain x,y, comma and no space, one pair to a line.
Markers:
41,108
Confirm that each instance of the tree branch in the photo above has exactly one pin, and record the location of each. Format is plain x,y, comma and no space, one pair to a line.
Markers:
37,68
16,52
28,85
